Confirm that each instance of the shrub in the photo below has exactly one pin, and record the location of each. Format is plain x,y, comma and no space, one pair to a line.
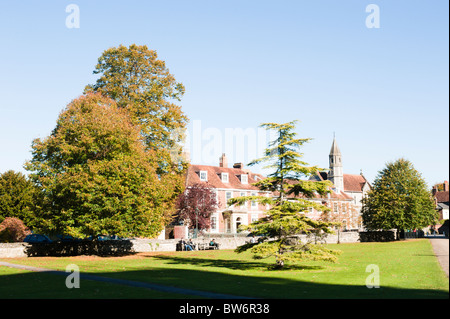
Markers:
13,230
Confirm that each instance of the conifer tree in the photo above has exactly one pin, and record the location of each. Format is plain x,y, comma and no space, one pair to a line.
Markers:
286,217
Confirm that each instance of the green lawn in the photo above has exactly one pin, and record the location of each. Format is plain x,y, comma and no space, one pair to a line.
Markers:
408,269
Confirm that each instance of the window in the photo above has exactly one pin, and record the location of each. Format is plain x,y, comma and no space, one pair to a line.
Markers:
228,195
335,207
242,194
216,195
213,223
254,218
254,203
203,176
224,177
244,179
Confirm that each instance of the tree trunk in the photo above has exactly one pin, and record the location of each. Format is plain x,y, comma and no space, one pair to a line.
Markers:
280,263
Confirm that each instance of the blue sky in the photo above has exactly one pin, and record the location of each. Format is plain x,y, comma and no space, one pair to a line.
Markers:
383,91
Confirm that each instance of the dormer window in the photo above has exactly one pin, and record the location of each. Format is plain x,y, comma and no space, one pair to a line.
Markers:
244,179
224,177
203,176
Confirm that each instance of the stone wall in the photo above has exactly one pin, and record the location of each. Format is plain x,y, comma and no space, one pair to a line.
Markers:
14,250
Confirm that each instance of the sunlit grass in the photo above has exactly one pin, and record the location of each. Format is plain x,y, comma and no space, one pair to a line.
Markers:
408,269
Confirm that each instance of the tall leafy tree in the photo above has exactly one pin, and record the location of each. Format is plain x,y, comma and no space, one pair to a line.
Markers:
17,197
399,199
138,81
96,175
286,217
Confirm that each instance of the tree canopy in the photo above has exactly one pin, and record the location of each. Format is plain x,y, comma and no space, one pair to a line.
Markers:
399,199
137,80
195,206
16,197
96,176
286,217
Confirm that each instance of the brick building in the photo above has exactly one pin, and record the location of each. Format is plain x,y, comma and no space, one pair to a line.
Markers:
228,182
236,181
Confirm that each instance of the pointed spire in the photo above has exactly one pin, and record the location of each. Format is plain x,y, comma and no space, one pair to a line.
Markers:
334,147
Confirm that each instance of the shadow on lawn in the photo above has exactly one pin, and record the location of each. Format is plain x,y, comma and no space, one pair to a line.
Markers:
45,285
229,263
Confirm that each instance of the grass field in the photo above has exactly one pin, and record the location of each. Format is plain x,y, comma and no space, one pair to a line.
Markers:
408,269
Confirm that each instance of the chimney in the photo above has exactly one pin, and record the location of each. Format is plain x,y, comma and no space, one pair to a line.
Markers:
434,190
445,186
223,161
238,165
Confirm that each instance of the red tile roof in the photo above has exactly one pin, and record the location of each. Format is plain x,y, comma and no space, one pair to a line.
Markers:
215,180
354,183
442,197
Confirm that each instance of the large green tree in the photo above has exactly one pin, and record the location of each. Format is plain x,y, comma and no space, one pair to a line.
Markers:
399,199
286,217
96,175
17,197
138,81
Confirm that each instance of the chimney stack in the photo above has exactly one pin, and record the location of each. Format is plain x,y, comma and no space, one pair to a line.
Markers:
223,161
445,186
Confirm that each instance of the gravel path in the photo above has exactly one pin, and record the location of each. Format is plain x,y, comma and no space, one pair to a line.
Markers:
440,248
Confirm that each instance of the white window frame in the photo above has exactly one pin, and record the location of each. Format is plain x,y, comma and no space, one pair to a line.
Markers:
205,179
243,194
254,204
226,199
216,218
225,178
244,178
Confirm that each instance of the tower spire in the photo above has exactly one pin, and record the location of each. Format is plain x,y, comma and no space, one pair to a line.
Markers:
336,174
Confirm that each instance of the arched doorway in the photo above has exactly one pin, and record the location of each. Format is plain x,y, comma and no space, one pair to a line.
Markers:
238,223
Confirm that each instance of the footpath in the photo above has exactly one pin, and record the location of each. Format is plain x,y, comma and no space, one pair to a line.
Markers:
441,247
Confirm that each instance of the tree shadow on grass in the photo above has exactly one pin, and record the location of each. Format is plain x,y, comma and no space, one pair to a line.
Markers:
123,283
233,264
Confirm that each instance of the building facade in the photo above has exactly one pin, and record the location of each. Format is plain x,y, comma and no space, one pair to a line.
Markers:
343,201
353,186
441,198
229,182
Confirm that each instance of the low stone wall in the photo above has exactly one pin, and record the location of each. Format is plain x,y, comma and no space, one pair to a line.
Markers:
14,250
149,245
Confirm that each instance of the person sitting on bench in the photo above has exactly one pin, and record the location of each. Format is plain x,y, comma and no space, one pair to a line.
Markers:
213,244
189,245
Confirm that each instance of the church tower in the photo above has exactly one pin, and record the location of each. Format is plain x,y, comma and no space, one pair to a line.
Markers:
336,174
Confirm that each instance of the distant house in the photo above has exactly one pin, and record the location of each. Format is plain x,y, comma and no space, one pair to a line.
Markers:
349,185
341,209
442,200
228,182
236,181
